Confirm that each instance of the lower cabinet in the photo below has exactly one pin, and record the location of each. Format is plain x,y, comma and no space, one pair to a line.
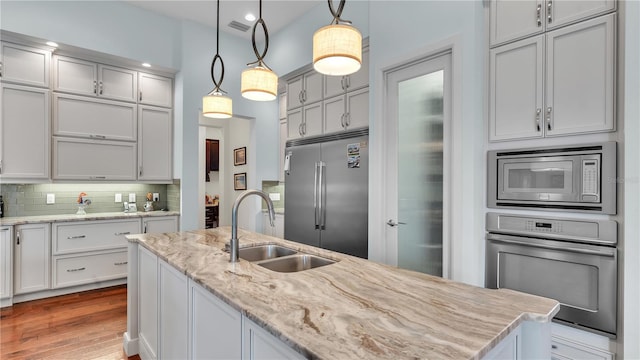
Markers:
6,256
86,268
258,344
32,258
568,343
147,311
173,313
160,224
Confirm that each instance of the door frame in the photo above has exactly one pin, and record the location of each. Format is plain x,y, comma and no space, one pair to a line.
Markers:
380,249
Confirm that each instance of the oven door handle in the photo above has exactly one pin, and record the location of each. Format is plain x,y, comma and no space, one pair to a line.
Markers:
531,242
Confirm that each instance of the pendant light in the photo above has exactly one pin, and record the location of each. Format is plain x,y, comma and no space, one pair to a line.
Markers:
216,104
259,82
337,47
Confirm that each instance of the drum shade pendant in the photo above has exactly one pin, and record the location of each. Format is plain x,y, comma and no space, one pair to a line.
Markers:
337,47
259,82
216,104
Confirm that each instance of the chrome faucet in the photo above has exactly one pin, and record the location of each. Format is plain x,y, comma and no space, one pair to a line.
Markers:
234,244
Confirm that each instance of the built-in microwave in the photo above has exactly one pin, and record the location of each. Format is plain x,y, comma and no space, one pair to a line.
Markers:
574,178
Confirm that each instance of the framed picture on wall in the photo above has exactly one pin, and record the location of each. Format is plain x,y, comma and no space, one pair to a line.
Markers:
240,156
240,181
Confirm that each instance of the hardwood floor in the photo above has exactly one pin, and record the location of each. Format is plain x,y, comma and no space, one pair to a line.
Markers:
87,325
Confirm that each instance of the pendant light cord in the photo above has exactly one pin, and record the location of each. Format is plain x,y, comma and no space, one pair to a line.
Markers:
337,13
217,57
260,56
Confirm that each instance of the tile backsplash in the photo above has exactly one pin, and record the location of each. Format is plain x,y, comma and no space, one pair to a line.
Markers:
31,199
274,187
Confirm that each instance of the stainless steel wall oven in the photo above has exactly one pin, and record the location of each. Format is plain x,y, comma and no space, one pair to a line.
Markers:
571,260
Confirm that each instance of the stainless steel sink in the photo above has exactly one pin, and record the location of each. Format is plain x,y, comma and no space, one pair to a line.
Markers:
264,252
295,263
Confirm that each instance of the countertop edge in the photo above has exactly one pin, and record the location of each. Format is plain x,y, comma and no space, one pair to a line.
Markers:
36,219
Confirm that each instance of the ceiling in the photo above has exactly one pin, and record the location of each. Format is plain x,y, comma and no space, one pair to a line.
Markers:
276,13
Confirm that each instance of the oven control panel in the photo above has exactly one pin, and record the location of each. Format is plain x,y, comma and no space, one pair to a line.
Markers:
544,226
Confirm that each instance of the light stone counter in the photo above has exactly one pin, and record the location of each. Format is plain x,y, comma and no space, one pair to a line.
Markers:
20,220
355,308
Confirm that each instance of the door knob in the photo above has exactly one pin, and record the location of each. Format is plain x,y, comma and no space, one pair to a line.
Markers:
394,224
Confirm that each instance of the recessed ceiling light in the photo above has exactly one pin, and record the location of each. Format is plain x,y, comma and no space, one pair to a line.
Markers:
146,64
250,17
51,43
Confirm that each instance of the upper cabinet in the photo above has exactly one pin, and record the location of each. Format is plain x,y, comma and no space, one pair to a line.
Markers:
91,79
24,65
155,136
155,90
338,85
513,20
304,89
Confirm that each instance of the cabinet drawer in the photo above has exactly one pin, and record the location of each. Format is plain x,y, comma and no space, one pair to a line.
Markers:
74,237
70,270
85,159
564,349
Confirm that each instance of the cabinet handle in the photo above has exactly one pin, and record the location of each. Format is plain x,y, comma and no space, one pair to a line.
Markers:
0,166
554,346
300,129
78,269
0,68
538,111
304,95
549,17
348,119
97,177
120,263
140,96
538,13
342,121
343,83
100,87
76,237
300,97
18,238
348,81
97,136
140,171
123,233
95,87
145,229
304,128
548,119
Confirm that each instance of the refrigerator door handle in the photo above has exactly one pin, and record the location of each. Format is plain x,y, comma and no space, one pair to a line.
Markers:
315,194
321,199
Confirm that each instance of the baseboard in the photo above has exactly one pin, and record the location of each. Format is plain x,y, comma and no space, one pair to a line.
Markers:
130,346
64,291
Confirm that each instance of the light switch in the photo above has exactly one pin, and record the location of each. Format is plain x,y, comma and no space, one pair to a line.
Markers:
118,198
156,196
51,198
132,197
274,196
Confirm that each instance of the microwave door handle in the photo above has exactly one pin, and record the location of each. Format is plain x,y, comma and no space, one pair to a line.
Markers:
531,243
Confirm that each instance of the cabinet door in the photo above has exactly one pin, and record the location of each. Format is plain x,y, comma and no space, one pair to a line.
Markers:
75,76
294,93
357,109
155,90
294,124
92,118
515,97
155,143
312,119
580,77
148,303
24,131
24,65
511,20
334,86
117,83
258,344
563,12
334,114
32,258
85,159
312,87
278,230
173,313
360,78
216,327
163,224
6,262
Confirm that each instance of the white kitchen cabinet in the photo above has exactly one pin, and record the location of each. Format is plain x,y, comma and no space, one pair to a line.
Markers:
78,237
304,89
575,97
155,144
277,230
348,111
259,344
159,224
24,65
216,328
155,90
88,268
87,159
79,116
147,310
564,349
338,85
6,264
513,20
91,79
32,258
173,313
24,132
305,121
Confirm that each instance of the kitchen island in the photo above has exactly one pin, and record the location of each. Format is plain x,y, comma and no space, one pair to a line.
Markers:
351,309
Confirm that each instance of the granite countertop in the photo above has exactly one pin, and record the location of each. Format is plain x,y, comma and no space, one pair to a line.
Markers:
352,309
19,220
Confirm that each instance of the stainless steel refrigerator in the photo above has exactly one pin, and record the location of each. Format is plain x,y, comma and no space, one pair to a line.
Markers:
326,192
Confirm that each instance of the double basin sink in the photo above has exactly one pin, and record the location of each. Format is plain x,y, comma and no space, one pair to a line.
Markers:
281,259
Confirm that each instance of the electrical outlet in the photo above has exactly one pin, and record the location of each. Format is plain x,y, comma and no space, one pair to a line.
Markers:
51,198
156,196
118,198
132,197
274,196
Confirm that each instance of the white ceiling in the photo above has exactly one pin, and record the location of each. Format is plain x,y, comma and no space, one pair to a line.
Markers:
276,13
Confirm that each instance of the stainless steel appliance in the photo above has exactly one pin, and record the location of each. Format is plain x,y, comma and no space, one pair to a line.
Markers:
326,192
571,260
577,178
